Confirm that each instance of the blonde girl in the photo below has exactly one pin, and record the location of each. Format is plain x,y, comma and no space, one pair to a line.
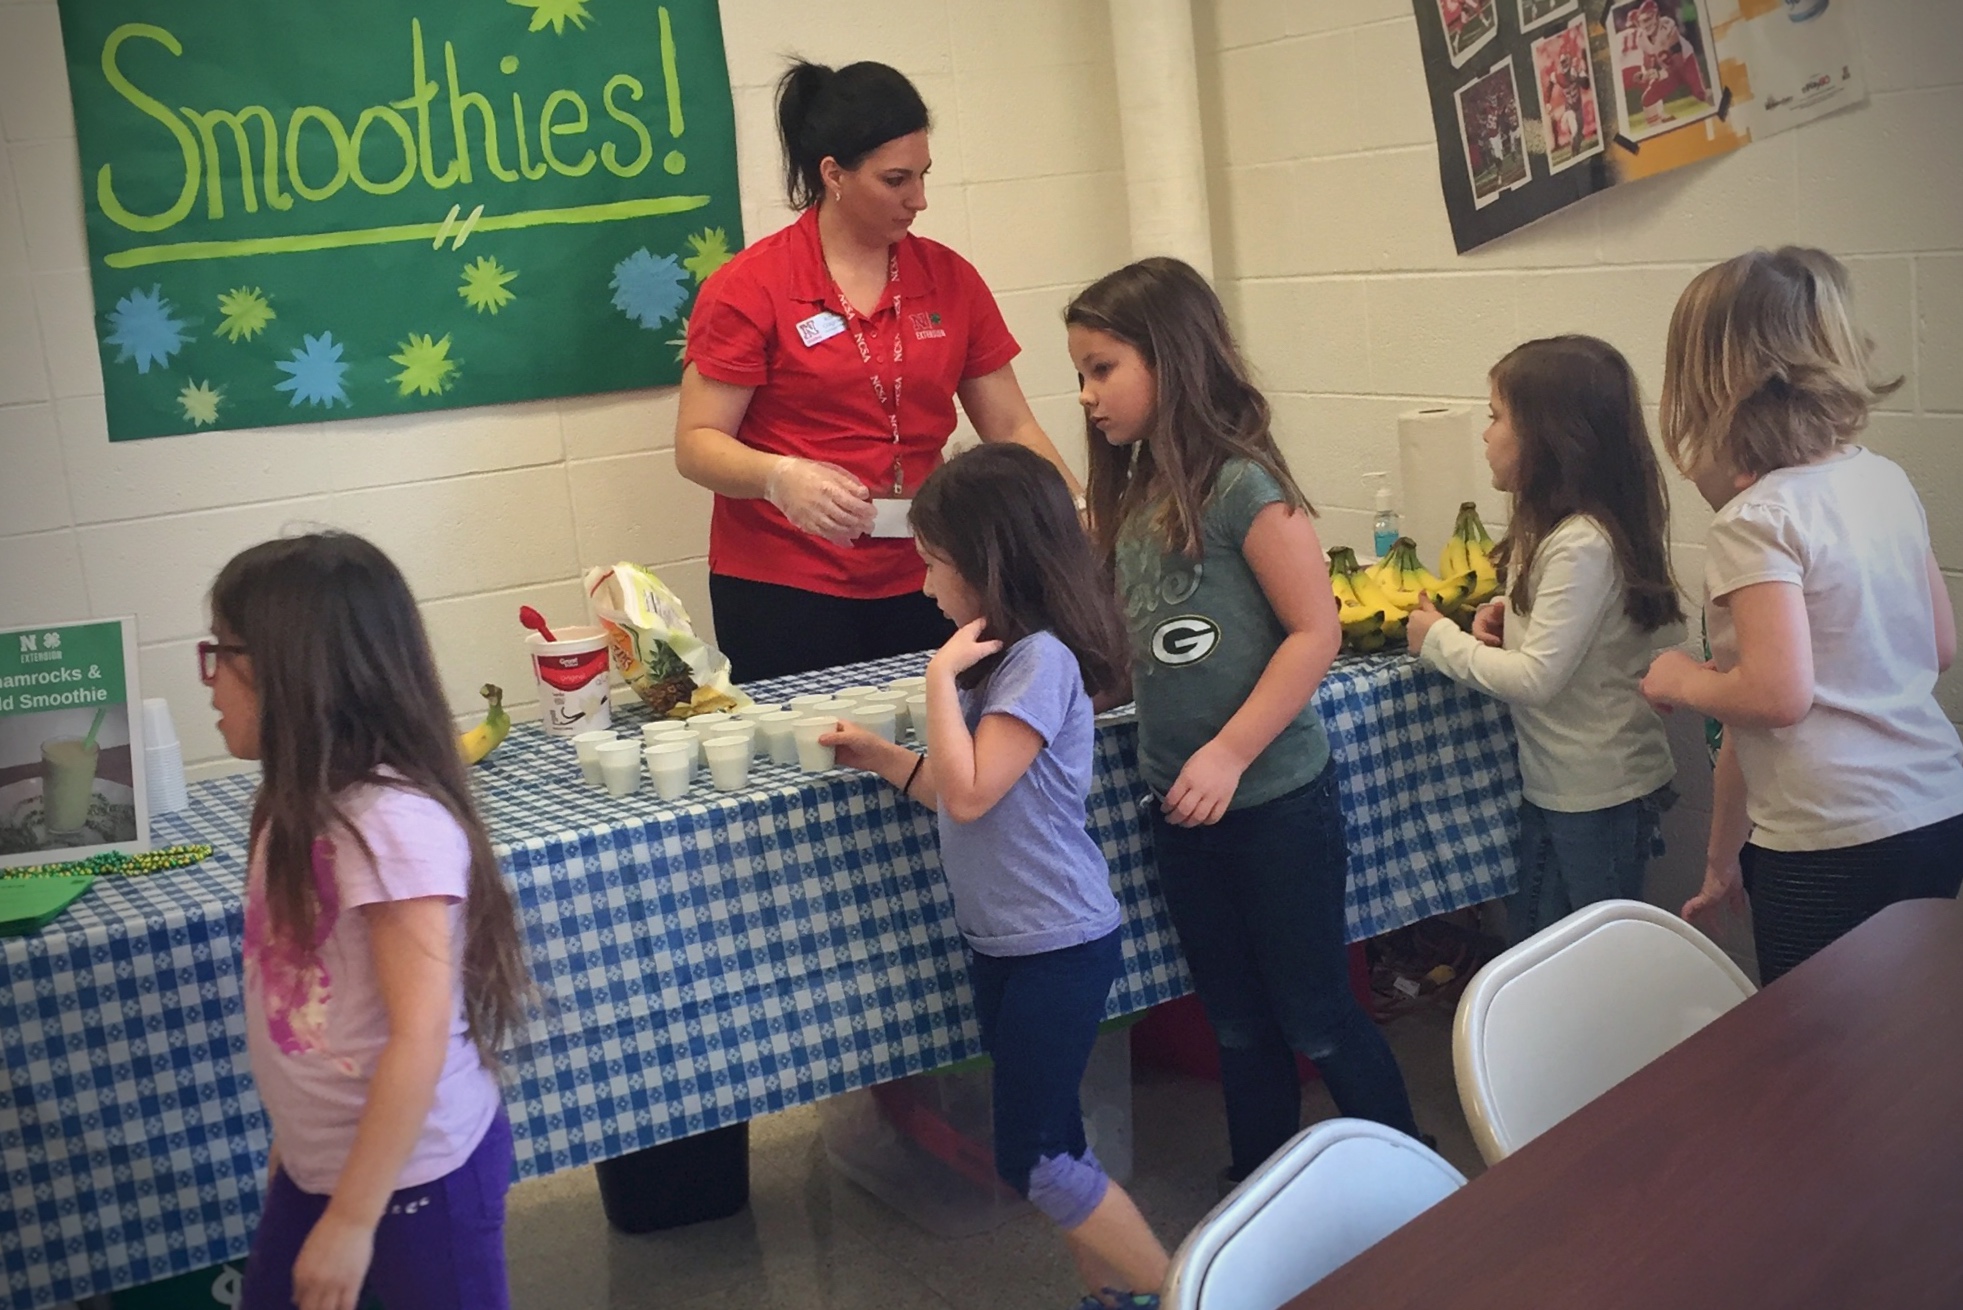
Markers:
1839,786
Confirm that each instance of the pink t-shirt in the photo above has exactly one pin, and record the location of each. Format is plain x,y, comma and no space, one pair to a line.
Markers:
315,1020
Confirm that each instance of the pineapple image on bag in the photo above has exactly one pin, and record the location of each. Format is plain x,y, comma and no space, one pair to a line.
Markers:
654,645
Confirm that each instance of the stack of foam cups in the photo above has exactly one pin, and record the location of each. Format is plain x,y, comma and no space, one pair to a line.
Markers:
163,758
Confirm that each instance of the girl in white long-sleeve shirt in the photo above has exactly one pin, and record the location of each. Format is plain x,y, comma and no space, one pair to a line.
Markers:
1567,646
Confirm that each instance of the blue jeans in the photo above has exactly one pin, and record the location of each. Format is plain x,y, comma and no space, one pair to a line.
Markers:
1039,1016
1571,860
1257,899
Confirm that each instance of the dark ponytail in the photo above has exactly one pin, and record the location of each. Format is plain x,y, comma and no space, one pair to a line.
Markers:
846,113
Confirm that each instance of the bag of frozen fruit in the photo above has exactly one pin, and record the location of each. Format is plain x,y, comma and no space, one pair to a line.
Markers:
654,645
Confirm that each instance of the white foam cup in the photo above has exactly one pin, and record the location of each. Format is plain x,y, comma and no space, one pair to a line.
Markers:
811,756
880,718
586,746
671,764
620,766
774,731
729,761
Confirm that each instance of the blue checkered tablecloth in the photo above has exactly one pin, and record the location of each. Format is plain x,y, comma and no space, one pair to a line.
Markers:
703,962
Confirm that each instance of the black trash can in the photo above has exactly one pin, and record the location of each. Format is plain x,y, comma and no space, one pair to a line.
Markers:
687,1181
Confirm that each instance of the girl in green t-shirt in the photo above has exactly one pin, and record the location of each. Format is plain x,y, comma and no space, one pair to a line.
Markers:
1215,551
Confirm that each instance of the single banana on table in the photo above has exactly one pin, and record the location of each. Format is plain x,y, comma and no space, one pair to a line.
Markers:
485,737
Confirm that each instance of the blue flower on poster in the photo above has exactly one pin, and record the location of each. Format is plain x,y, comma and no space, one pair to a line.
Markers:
648,290
144,329
316,370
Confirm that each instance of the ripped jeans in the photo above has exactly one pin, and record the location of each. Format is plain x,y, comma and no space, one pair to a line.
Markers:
1258,901
1039,1016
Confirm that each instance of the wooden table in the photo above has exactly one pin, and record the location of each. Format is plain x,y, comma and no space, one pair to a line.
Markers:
1805,1150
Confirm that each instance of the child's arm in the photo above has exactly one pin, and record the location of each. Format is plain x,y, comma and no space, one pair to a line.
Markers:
971,771
858,749
1771,686
1945,616
410,943
1575,583
1285,553
1723,883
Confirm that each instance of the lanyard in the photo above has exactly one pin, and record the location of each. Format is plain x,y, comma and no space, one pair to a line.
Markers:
890,406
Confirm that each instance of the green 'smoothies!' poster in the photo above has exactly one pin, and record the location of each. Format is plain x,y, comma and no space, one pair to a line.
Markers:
360,207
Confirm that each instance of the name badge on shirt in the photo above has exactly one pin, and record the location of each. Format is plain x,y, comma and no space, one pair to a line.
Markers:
889,518
822,326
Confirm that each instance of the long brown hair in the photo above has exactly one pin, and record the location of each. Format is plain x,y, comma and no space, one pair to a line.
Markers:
1765,368
1003,516
1577,413
1207,409
348,694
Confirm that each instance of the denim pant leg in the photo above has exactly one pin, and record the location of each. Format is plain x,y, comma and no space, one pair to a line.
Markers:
1258,902
1040,1017
1568,860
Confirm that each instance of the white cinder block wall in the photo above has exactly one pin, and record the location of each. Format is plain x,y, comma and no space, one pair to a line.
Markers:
488,509
1336,258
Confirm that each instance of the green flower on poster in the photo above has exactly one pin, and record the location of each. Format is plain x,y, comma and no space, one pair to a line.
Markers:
427,368
484,283
200,403
357,209
246,313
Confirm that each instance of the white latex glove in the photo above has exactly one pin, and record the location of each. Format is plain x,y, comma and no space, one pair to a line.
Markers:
822,499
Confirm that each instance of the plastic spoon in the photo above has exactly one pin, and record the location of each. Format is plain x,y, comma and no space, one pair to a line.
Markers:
534,620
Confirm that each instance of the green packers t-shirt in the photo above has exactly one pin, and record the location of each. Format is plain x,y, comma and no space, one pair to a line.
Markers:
1202,633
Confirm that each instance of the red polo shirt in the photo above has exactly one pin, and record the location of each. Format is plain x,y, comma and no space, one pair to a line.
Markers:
817,401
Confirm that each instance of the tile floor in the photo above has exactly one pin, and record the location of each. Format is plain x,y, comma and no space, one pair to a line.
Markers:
812,1240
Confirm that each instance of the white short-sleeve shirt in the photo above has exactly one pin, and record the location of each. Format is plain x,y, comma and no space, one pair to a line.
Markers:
1875,755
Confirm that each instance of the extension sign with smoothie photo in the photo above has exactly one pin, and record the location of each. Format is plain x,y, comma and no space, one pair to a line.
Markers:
71,782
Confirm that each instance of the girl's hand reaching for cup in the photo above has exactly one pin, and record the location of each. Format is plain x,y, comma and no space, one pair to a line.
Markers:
963,651
855,747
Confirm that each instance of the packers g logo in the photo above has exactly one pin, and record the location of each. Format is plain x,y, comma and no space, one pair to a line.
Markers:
1187,639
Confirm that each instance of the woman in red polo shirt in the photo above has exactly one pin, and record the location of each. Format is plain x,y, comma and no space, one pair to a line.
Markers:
823,366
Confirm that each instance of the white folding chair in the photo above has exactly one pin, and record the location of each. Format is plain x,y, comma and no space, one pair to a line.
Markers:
1556,1021
1336,1188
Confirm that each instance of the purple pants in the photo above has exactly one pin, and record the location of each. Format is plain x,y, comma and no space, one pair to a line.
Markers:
440,1245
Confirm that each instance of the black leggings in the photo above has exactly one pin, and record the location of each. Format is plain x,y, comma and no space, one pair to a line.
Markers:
1804,900
770,631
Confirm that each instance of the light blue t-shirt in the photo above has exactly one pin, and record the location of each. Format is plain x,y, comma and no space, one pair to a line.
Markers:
1026,877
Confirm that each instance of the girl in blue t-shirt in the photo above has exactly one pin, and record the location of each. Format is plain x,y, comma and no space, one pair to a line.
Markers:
1232,630
1008,767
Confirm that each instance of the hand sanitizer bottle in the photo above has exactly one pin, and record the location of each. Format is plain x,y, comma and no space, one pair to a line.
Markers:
1385,530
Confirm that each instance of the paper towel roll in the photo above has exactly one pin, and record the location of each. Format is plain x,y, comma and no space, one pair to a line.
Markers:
1440,468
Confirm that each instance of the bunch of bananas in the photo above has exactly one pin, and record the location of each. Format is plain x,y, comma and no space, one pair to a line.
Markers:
1466,552
1372,604
484,738
1370,619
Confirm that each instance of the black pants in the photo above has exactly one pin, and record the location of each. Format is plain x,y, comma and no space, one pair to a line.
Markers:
1802,901
768,631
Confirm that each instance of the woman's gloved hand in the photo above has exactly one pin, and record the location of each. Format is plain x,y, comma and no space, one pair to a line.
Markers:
822,499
